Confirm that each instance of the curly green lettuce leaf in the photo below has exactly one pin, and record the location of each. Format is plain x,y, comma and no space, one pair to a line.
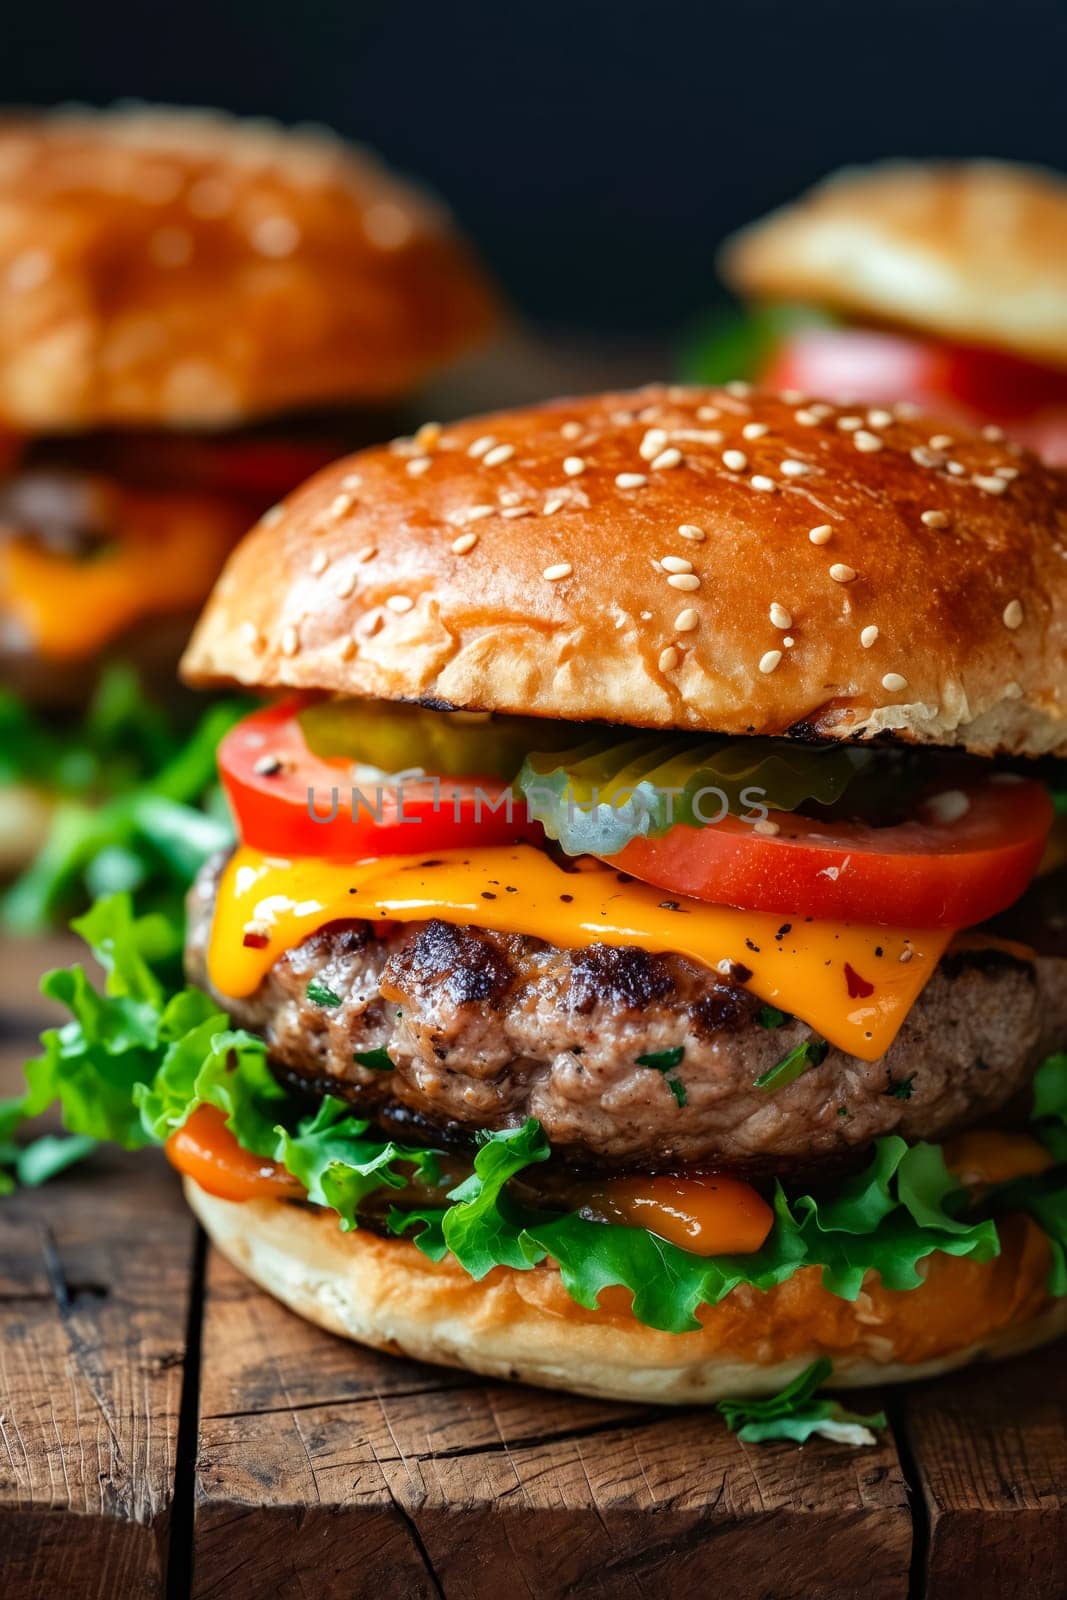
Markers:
888,1219
136,1061
796,1413
1050,1104
126,830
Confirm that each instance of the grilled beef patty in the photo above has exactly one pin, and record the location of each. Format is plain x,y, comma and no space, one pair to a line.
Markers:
485,1029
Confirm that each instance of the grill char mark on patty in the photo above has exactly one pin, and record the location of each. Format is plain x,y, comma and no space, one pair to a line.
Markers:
486,1029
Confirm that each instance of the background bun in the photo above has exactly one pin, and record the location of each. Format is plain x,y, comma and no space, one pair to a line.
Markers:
183,267
524,1325
974,251
689,558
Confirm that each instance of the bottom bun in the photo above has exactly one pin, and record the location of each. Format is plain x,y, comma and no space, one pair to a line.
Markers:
524,1326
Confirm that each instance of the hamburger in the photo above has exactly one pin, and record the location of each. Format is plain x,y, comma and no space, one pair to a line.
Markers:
610,987
942,283
195,313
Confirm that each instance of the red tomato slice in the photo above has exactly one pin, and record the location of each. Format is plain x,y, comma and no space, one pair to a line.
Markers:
922,873
289,801
958,381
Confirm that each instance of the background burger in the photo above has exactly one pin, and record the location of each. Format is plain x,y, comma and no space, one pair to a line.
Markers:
648,1099
940,283
195,313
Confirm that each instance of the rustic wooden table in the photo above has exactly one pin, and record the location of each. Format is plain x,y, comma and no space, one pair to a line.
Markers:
168,1430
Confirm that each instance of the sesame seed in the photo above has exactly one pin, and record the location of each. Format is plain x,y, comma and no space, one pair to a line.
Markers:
428,436
251,636
957,469
686,620
822,534
795,469
368,553
630,480
400,603
351,480
905,956
992,433
698,435
769,660
318,563
498,455
1013,614
942,441
290,642
842,573
792,397
1007,473
553,504
28,271
708,413
906,410
481,446
266,766
1012,691
275,514
780,617
510,513
894,682
684,580
479,513
671,457
789,641
849,424
275,236
948,806
341,504
990,485
734,460
465,542
765,825
668,659
869,635
935,519
562,569
764,485
655,440
754,430
923,457
345,585
689,530
574,466
676,564
867,442
417,466
880,419
571,430
807,419
738,388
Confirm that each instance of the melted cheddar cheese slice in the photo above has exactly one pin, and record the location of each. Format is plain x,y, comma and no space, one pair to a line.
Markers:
853,984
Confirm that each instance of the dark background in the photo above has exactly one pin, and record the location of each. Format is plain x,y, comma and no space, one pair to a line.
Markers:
596,152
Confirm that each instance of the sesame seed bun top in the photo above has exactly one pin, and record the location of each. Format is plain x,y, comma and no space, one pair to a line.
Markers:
187,268
687,558
970,251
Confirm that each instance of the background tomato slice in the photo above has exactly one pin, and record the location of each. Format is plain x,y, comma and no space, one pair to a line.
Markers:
923,873
958,382
268,771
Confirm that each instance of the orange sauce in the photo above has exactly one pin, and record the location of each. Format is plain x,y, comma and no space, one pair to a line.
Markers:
205,1150
986,1155
709,1215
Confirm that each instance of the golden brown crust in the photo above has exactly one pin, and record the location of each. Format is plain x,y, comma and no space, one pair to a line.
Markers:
973,251
535,561
184,267
524,1325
